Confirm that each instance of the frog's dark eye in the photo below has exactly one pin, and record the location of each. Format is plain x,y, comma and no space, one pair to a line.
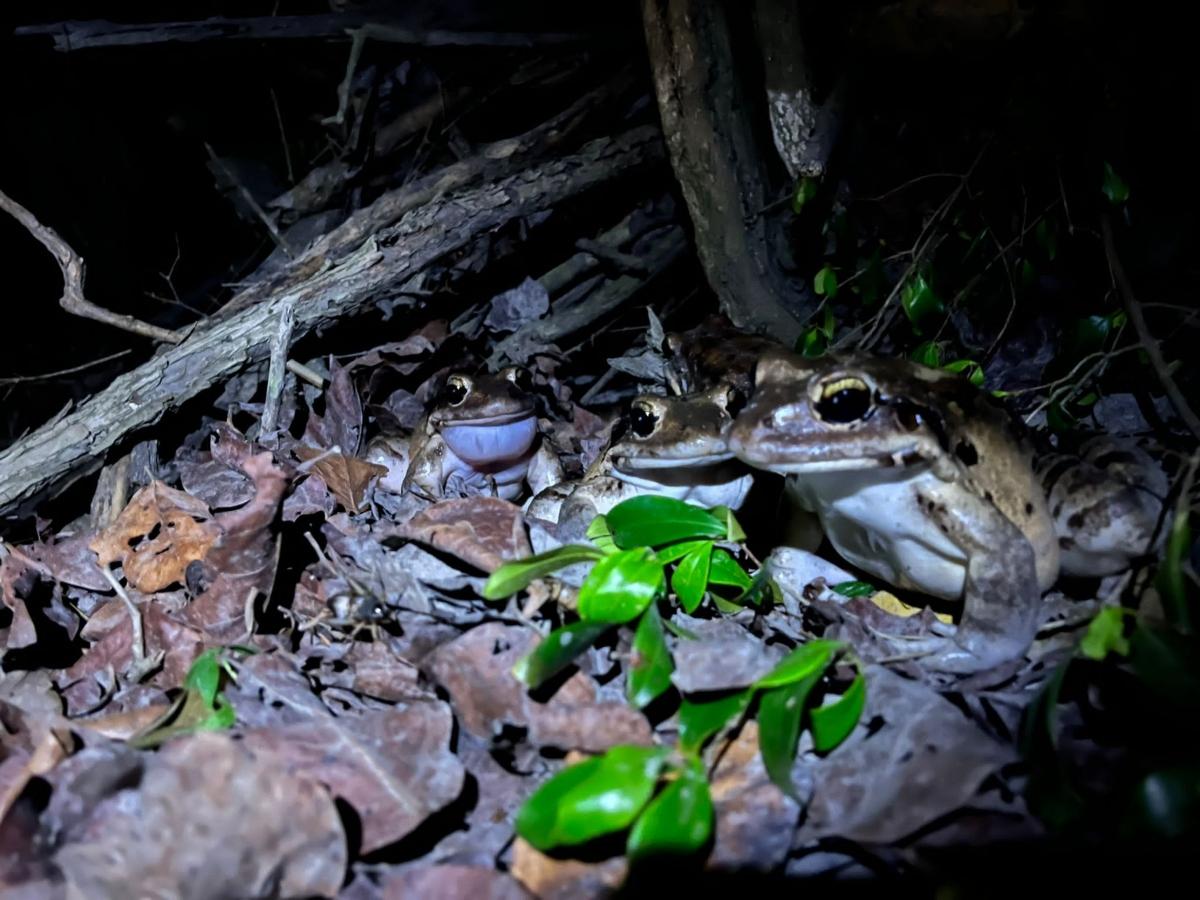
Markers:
519,377
735,402
643,420
456,390
844,400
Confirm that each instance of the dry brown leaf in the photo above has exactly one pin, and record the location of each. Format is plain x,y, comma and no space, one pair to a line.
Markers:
156,536
564,879
452,882
481,531
348,477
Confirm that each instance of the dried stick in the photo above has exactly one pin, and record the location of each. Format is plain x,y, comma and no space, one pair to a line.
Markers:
71,264
268,222
1149,343
48,376
280,344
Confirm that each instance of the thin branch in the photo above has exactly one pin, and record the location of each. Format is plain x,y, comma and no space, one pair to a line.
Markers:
1149,342
268,222
287,153
71,264
48,376
280,343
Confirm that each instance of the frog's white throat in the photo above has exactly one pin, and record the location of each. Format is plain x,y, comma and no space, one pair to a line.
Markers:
491,443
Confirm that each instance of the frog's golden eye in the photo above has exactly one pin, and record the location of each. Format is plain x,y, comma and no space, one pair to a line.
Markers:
843,400
519,377
457,388
643,420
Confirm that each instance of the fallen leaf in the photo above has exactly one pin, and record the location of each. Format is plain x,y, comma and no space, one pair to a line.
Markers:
70,561
156,536
348,477
341,425
452,882
393,765
725,655
213,481
549,878
482,531
203,804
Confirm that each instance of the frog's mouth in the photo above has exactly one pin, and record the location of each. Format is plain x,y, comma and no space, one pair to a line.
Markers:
656,472
483,442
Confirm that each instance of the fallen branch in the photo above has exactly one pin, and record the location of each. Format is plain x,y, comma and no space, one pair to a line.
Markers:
1149,343
220,347
71,264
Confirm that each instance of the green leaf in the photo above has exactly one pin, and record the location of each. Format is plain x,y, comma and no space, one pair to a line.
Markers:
653,520
918,299
1028,273
832,723
1105,633
733,528
760,584
806,189
812,343
700,721
825,283
724,569
678,551
517,575
1170,579
1041,716
204,677
607,797
621,586
973,369
679,820
691,577
1115,189
854,588
779,714
1168,663
873,280
807,659
1167,802
598,534
928,353
651,668
556,651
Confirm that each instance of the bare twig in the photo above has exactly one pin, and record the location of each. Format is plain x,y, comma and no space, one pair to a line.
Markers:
287,153
280,344
268,222
71,264
48,376
1148,341
303,372
141,665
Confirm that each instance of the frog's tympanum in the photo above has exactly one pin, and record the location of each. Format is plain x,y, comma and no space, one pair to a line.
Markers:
917,478
480,438
673,446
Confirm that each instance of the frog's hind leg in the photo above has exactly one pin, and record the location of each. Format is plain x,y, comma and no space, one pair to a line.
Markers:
1001,598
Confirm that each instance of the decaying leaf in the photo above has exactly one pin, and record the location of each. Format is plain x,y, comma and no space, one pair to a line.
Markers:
158,534
482,531
341,425
348,477
206,819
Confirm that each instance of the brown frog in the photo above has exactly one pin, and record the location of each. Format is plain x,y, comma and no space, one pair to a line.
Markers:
481,437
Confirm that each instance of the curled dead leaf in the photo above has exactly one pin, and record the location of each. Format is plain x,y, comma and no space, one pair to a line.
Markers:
156,536
348,477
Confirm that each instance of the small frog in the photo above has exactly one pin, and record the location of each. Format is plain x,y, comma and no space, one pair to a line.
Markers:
1108,499
918,478
672,446
481,437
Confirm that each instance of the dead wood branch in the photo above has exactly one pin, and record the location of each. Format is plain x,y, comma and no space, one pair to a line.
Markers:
718,163
1149,342
73,272
384,259
76,35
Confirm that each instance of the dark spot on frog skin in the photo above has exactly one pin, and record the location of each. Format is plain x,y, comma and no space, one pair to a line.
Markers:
1028,509
1076,520
1057,510
987,495
966,452
1066,543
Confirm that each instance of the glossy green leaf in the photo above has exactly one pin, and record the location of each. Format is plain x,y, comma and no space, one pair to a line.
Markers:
832,723
779,713
733,528
806,189
1170,578
927,353
1028,274
517,575
724,569
761,591
825,283
678,551
204,677
972,369
691,577
854,588
699,721
651,667
919,300
621,586
652,520
807,659
1167,802
600,535
1168,663
678,821
556,651
812,343
1106,634
873,281
608,797
1114,188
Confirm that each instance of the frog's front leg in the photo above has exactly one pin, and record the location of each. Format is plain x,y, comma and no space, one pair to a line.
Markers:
426,476
1001,597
